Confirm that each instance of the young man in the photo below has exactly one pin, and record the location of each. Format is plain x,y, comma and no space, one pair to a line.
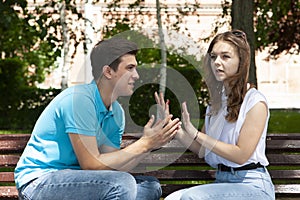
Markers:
74,151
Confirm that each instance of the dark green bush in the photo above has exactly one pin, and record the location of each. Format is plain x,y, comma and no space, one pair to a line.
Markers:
21,113
20,105
183,84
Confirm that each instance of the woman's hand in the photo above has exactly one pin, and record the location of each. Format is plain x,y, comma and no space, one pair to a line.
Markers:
189,128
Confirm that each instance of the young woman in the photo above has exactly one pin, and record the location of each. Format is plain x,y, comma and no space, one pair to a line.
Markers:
233,138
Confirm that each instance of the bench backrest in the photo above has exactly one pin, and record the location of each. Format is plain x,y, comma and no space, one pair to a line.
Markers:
178,168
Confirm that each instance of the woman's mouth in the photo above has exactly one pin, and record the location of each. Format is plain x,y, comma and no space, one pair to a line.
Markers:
218,71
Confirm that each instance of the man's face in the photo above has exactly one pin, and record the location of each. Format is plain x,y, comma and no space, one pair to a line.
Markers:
125,76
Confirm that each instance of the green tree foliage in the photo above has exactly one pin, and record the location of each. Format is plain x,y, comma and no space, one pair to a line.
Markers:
33,32
277,25
30,42
20,105
22,38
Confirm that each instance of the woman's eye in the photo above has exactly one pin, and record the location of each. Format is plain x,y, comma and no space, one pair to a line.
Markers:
226,56
213,57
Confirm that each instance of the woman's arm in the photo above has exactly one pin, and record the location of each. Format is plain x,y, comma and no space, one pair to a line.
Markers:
250,134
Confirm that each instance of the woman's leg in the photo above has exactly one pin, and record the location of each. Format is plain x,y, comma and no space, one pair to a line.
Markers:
238,185
176,195
228,191
82,184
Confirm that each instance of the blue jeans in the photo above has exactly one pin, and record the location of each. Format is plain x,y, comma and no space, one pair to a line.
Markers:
252,184
91,185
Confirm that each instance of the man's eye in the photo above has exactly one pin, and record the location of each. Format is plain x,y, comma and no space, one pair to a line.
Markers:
130,68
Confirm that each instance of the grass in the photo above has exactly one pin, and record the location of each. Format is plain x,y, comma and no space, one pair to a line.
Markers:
284,121
13,131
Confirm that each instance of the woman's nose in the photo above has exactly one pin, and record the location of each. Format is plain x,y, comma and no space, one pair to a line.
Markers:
217,61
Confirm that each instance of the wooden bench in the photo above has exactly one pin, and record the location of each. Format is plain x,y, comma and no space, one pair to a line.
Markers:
175,167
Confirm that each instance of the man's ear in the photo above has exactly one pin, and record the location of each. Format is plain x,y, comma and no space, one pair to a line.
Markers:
106,71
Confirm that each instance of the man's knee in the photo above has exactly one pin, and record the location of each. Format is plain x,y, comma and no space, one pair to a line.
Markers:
126,186
149,187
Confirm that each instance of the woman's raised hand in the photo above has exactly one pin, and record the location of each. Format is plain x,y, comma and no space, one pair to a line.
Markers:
188,126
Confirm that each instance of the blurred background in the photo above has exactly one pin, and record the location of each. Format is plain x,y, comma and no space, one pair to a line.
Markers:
45,48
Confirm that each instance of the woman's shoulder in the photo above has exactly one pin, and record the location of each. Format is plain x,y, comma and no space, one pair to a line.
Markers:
253,96
253,92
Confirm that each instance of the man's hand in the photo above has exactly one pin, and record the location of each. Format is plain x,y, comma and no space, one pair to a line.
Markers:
160,100
158,134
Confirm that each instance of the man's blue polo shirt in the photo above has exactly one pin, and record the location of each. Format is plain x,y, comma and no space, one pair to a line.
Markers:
78,109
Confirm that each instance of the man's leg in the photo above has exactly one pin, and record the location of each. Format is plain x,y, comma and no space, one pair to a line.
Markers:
82,184
148,188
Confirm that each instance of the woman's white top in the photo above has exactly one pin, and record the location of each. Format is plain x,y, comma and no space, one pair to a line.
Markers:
219,128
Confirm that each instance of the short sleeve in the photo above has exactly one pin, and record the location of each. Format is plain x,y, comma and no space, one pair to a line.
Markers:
252,97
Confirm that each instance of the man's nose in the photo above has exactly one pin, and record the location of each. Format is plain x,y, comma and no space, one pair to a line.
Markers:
135,75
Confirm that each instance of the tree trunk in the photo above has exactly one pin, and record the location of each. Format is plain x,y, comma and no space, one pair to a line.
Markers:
242,18
65,51
163,68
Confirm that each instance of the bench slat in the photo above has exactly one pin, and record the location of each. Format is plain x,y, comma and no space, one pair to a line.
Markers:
14,143
183,175
193,160
283,136
186,175
287,190
209,174
283,145
8,192
285,174
176,159
284,159
9,160
7,177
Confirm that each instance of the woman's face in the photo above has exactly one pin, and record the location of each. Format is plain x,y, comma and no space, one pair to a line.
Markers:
224,60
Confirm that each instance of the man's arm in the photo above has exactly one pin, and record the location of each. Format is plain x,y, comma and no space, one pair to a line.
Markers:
90,158
155,136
